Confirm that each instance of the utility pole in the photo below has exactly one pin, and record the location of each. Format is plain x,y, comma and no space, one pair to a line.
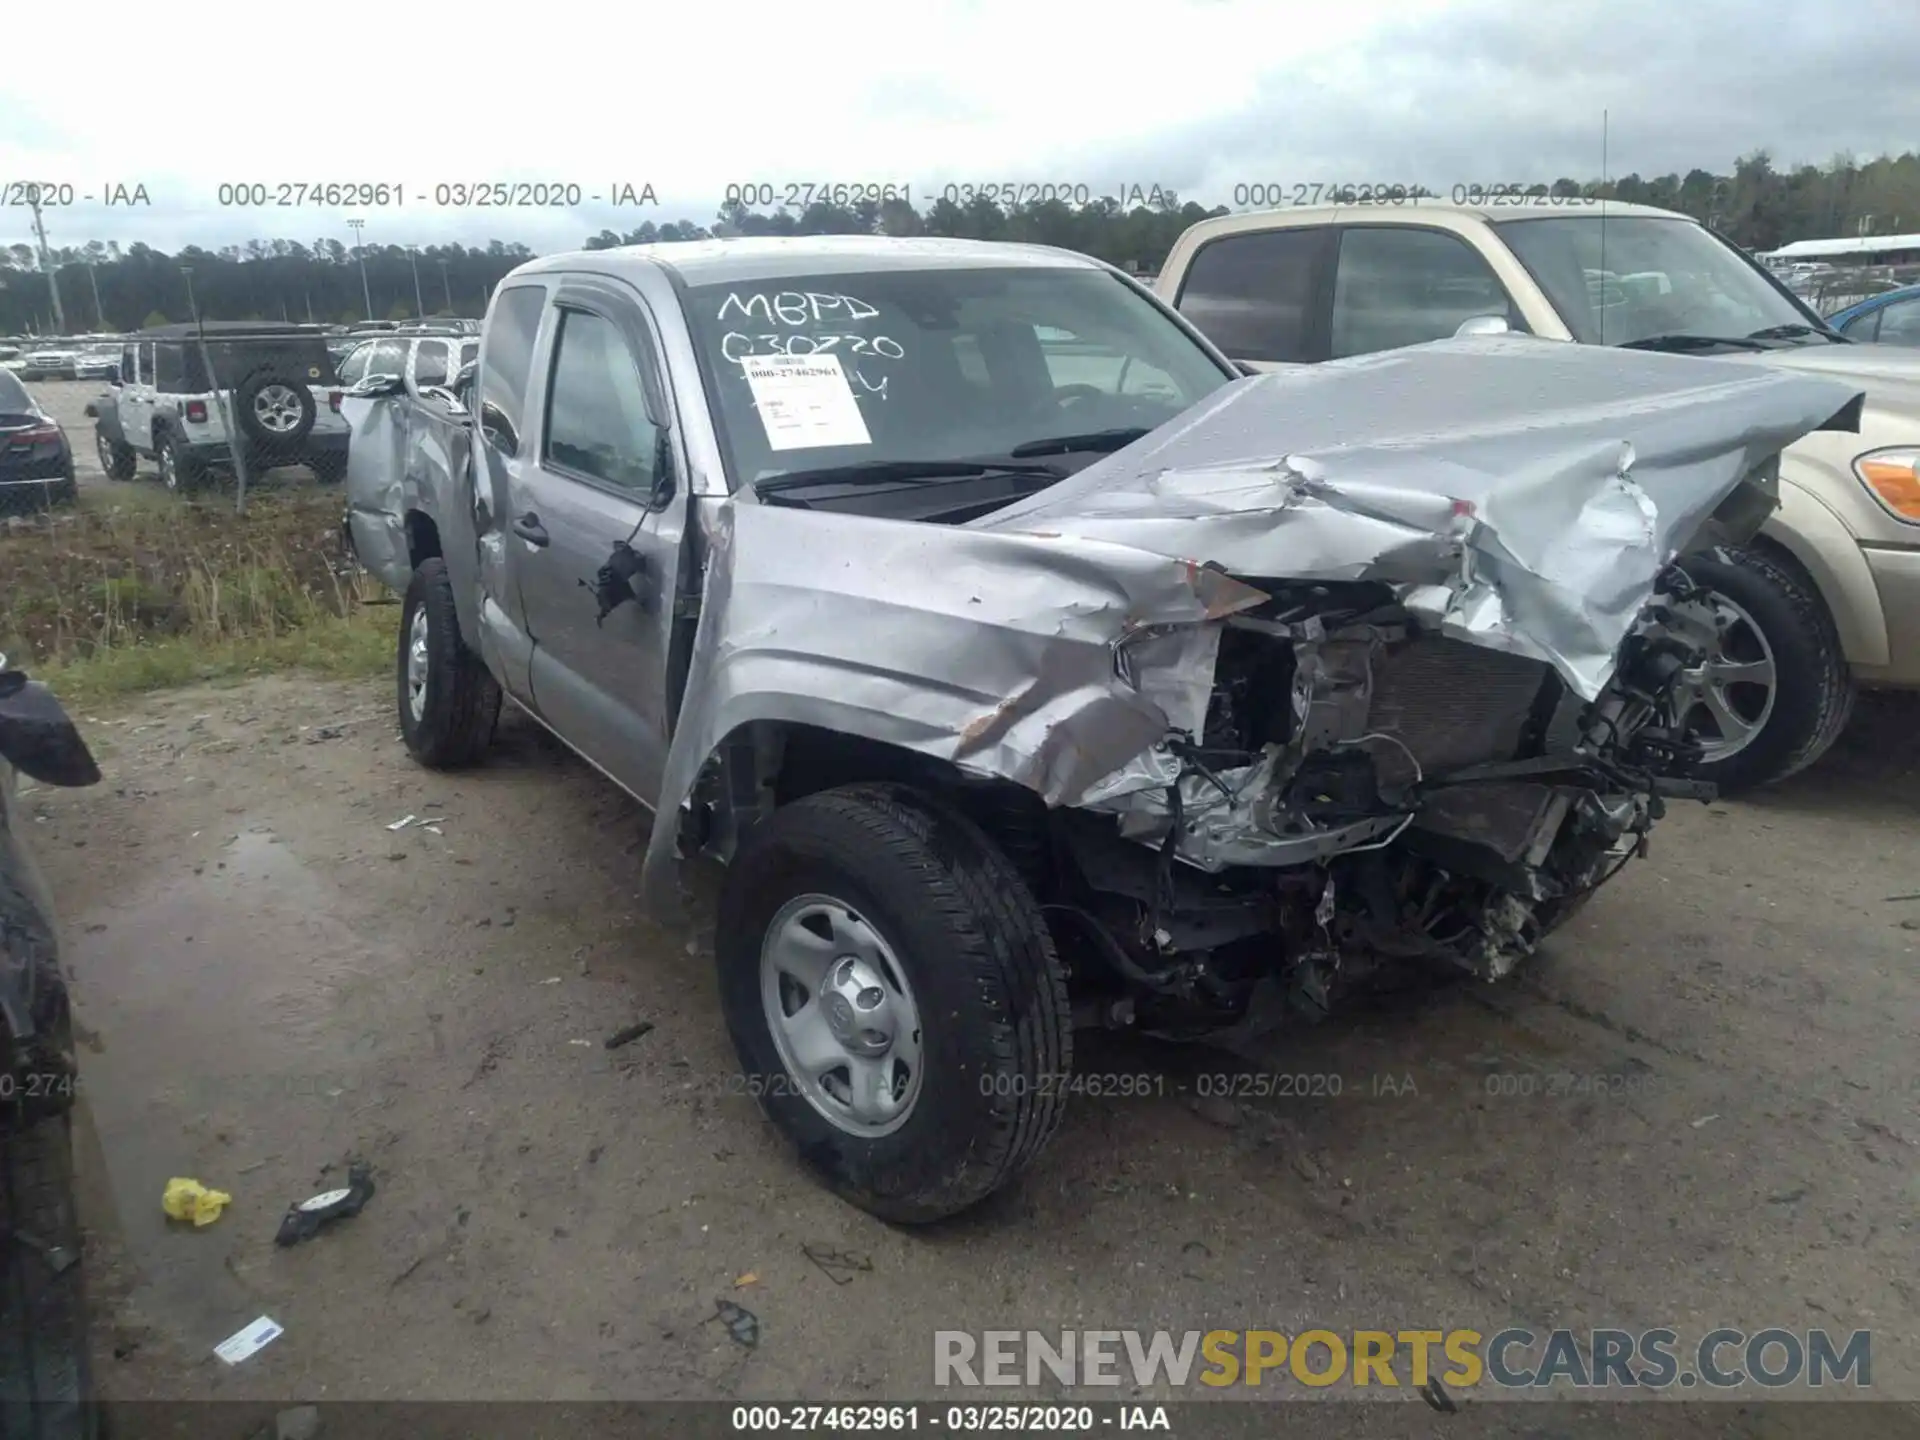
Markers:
235,444
99,310
419,305
366,292
46,260
447,285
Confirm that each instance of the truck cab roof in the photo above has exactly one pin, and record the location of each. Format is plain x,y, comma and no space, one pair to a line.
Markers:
750,258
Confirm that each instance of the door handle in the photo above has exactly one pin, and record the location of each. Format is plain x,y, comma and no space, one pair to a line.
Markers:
529,529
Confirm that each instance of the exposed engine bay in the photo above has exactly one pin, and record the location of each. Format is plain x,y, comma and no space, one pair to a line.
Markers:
1364,793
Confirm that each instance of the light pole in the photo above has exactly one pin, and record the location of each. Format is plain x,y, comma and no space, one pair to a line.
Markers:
419,305
366,291
46,261
447,285
99,311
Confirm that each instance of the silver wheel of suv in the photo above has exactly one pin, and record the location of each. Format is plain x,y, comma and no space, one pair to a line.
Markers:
841,1015
418,660
169,471
1725,701
277,409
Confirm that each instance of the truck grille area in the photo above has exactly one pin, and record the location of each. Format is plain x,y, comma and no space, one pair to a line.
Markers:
1452,705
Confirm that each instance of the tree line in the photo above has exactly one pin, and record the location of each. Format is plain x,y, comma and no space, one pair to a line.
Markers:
110,288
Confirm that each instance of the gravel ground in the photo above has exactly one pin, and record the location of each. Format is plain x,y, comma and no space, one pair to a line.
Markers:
271,980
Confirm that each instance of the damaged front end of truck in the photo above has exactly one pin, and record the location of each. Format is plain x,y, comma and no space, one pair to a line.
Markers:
1349,666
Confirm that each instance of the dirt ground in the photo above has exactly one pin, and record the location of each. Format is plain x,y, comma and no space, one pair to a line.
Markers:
271,980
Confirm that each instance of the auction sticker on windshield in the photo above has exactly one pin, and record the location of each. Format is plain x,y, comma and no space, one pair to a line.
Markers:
804,401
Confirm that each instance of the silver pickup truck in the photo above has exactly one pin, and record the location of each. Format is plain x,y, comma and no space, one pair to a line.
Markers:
1031,667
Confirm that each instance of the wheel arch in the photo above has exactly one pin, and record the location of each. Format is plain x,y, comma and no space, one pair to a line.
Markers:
1806,535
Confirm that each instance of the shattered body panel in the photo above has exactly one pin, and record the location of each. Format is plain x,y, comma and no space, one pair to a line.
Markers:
1515,496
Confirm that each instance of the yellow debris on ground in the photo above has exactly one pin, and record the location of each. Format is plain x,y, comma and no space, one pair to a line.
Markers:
190,1200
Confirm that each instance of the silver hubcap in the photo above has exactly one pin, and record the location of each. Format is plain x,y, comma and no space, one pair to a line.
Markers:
104,450
277,408
165,461
417,665
1727,699
841,1015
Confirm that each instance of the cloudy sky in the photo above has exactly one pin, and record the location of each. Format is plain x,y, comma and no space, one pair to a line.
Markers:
1197,95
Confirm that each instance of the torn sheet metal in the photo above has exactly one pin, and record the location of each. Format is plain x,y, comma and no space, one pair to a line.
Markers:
378,496
1047,663
1525,493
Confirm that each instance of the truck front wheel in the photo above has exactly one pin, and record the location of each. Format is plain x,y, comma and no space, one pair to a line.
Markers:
448,700
895,999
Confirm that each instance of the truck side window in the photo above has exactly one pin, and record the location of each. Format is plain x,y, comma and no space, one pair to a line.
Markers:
430,362
1401,286
129,373
1252,294
353,369
507,362
597,421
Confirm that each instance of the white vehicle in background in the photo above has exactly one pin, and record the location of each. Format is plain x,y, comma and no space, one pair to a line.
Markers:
1827,595
50,365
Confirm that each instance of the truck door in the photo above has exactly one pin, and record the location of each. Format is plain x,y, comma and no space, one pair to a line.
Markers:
597,468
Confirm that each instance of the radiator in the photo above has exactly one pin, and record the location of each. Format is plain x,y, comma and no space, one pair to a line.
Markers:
1451,704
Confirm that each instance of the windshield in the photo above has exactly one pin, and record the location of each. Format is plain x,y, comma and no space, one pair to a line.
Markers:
13,396
935,365
1619,281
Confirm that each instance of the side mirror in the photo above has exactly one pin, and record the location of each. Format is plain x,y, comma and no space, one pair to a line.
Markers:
376,387
37,737
663,480
1484,325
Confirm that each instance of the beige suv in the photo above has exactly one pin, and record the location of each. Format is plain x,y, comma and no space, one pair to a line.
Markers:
1830,592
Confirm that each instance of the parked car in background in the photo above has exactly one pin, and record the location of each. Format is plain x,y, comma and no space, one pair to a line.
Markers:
278,381
98,364
1890,319
36,462
1826,596
958,598
46,1386
50,365
418,358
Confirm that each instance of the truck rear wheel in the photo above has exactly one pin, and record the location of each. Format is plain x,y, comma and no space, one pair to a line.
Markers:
448,700
895,999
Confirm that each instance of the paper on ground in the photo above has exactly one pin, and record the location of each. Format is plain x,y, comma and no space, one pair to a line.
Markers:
804,401
249,1341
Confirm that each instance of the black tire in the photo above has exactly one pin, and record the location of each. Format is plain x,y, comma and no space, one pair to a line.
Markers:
461,703
180,471
995,1029
116,456
281,391
1812,690
328,469
46,1384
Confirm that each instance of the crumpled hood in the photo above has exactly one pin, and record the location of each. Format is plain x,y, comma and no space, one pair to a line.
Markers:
1522,496
1528,495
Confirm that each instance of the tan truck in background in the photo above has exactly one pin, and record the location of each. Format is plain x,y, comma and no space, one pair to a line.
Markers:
1829,595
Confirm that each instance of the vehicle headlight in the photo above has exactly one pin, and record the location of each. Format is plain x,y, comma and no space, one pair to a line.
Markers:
1894,478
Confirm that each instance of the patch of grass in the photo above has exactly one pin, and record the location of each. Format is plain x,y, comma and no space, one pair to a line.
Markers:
356,646
111,599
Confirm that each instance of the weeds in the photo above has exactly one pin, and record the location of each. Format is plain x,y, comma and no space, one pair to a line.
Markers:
105,600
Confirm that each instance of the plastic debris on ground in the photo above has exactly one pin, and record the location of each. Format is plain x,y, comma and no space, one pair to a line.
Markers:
743,1326
186,1199
249,1341
628,1034
304,1219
